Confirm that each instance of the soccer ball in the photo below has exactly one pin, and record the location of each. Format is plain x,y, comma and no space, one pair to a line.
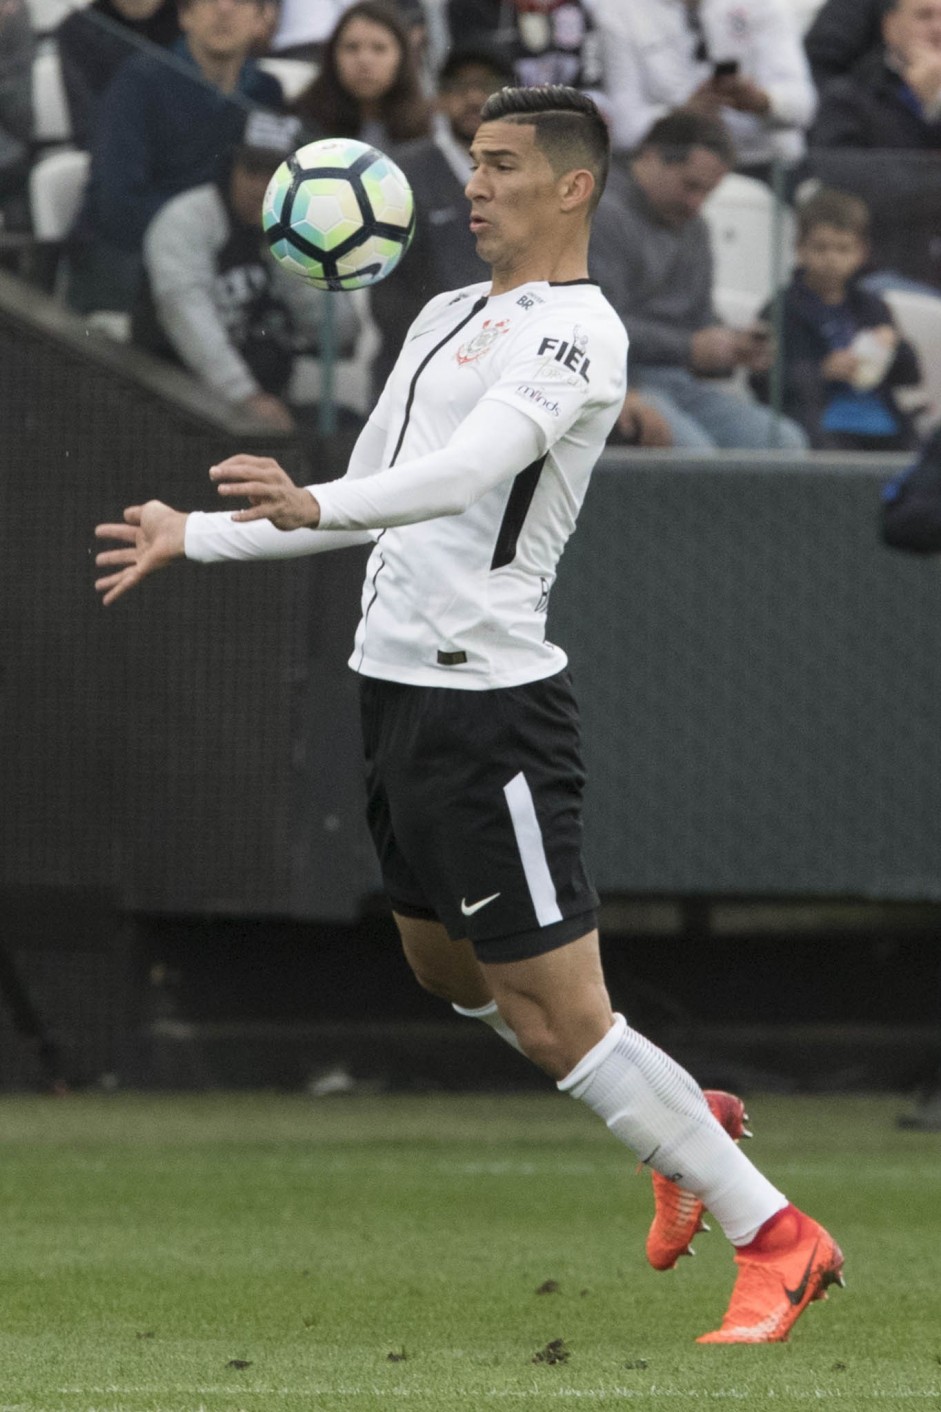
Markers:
339,213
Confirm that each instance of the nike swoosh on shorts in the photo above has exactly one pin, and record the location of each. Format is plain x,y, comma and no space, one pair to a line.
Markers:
469,908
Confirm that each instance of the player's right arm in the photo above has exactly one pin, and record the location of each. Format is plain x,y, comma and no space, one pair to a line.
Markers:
153,535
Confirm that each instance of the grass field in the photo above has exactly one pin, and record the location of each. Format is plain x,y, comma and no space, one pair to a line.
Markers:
263,1253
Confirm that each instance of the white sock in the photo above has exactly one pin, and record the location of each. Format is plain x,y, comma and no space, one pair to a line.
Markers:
653,1106
491,1016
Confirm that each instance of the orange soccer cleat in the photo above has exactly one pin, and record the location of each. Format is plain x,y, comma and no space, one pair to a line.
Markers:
790,1263
678,1214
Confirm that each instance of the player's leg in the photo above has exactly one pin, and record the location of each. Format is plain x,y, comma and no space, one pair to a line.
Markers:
451,970
444,967
556,1004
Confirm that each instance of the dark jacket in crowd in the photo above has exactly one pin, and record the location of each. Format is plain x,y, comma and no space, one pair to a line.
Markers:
911,503
868,111
92,43
162,129
841,33
544,43
832,414
17,50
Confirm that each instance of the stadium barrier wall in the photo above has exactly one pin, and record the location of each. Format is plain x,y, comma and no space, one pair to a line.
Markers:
760,679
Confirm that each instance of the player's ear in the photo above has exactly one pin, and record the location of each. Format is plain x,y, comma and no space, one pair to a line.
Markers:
576,188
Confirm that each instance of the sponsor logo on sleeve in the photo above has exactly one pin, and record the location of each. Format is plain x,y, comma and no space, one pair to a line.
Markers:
571,353
538,398
482,342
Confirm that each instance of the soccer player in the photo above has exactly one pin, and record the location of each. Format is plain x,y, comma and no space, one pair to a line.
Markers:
468,478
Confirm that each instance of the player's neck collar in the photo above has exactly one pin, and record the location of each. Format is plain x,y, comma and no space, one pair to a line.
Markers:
564,283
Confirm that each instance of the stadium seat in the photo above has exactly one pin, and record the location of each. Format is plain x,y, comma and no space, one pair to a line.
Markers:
46,15
744,226
293,74
56,183
919,319
51,121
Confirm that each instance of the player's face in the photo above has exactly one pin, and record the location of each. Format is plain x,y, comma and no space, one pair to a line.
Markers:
463,96
829,257
220,29
514,194
913,25
677,190
367,58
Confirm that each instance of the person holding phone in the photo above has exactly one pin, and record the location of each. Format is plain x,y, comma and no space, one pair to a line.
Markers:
738,60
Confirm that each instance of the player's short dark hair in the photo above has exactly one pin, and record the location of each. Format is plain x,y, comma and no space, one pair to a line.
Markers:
829,207
569,127
676,134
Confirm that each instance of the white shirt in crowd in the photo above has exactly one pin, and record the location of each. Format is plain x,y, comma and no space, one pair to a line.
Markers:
651,67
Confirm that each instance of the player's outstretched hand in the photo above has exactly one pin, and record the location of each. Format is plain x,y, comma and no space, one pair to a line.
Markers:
268,489
152,536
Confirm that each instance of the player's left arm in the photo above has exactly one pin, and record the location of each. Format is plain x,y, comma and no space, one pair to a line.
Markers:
491,445
532,405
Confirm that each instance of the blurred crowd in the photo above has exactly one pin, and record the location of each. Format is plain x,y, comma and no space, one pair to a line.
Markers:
173,114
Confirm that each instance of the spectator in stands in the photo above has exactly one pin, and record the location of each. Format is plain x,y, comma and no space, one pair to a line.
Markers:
95,40
911,517
842,32
17,49
368,85
650,251
443,254
304,26
843,357
878,134
547,42
738,60
163,128
217,301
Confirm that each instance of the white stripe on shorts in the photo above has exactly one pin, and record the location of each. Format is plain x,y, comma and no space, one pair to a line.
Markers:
531,850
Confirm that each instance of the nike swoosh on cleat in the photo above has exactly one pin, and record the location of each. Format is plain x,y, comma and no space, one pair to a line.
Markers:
469,908
796,1295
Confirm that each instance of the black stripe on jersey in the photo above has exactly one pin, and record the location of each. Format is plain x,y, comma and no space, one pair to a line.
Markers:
478,305
520,499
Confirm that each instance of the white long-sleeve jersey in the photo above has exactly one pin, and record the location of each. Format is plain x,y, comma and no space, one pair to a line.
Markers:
469,477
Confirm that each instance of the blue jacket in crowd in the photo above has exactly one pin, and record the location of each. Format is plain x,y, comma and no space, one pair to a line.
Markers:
161,130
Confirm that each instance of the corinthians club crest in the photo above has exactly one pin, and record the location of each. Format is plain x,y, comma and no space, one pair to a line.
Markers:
482,341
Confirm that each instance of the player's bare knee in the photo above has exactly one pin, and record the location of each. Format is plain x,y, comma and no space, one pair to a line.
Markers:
540,1043
430,980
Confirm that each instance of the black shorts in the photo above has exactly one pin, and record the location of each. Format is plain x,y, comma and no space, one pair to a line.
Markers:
475,810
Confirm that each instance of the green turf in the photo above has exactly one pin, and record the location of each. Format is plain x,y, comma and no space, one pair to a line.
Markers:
371,1253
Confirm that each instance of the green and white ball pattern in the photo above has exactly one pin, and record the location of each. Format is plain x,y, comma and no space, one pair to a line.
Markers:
339,214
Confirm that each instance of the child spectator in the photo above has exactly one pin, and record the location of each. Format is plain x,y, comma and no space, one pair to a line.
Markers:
368,85
843,357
